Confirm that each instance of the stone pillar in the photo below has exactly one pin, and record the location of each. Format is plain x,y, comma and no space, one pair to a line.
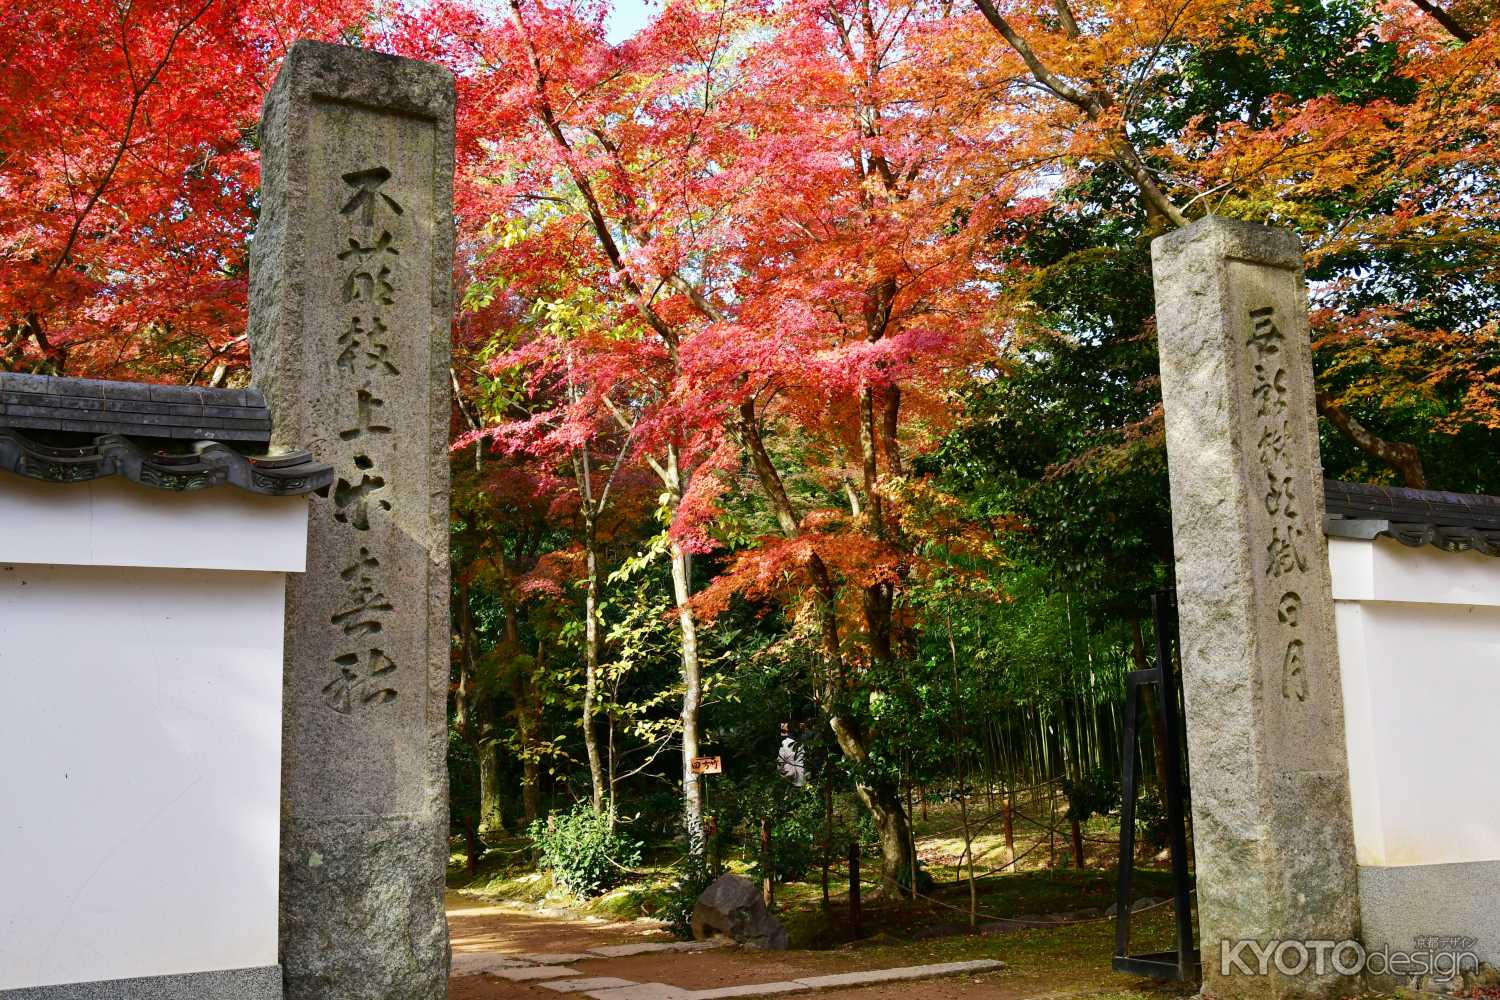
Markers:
1272,826
350,315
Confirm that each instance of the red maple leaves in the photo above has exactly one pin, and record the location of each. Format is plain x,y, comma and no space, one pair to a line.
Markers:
128,176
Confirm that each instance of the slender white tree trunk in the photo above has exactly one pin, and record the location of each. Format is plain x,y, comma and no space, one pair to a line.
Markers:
692,677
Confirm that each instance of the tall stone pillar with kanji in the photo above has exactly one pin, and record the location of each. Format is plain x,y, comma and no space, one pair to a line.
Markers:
1272,826
350,310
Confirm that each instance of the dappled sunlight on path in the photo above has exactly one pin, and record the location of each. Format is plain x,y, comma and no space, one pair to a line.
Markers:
479,928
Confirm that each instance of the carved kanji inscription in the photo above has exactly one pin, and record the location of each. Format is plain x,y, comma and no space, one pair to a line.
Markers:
361,682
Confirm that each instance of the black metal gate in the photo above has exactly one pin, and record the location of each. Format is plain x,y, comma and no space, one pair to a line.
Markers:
1164,685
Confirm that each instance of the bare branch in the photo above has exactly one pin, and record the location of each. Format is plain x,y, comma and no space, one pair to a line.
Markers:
1093,106
214,354
1043,75
137,97
1065,15
1399,455
1447,20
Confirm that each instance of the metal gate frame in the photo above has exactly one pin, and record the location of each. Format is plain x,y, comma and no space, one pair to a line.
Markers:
1184,963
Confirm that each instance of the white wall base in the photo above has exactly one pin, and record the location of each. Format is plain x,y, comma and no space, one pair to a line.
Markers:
140,729
1400,905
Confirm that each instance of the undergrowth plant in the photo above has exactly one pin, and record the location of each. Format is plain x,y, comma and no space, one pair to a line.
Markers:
584,855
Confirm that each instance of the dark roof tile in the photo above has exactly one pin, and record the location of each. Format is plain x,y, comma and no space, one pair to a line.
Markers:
1454,522
210,464
37,402
120,420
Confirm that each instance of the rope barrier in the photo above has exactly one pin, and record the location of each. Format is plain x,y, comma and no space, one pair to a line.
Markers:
1028,923
972,831
1010,794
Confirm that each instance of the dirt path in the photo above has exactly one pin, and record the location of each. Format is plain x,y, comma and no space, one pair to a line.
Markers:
475,925
479,927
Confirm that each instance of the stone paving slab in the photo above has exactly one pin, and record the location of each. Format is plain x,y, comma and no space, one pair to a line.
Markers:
661,991
552,957
643,991
472,963
653,947
528,973
584,985
751,990
896,975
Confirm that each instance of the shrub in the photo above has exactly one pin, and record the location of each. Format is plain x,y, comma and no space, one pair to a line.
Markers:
1152,822
1096,793
796,841
583,854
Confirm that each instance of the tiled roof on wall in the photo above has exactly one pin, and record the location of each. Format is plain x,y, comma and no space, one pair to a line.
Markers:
175,412
1454,522
69,430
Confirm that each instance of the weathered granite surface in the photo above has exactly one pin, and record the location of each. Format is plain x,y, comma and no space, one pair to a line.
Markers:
1271,816
226,984
732,906
350,316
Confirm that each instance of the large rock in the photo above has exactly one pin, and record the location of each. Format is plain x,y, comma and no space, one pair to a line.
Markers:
733,907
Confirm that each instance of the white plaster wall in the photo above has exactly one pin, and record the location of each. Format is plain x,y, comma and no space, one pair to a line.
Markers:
1419,653
114,522
140,732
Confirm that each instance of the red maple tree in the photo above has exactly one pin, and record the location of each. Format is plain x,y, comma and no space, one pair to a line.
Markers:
128,173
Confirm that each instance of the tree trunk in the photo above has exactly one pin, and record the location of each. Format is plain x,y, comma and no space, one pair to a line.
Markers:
882,801
474,847
491,814
528,722
591,678
466,707
611,775
958,772
1399,455
1010,834
531,790
692,677
827,828
895,834
767,872
591,640
1052,827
